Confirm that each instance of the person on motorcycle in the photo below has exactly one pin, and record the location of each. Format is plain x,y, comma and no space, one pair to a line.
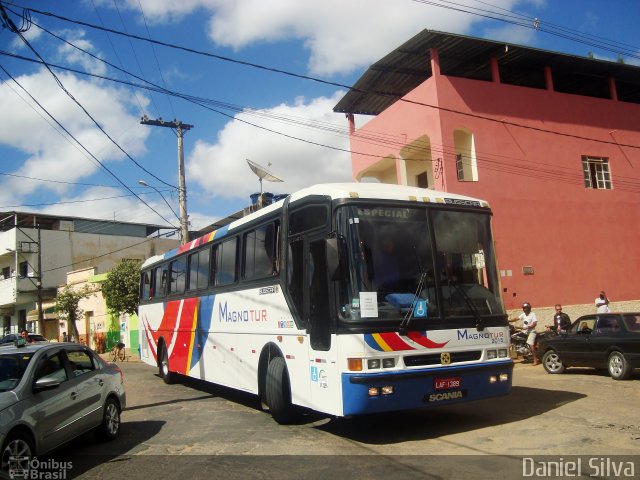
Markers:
529,323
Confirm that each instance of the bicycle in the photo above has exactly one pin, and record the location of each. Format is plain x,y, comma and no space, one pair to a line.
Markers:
118,353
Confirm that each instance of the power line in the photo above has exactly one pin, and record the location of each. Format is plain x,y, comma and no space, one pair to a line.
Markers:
58,181
362,135
82,146
326,82
86,112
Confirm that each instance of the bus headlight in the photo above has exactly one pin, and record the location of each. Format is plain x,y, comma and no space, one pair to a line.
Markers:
373,363
388,362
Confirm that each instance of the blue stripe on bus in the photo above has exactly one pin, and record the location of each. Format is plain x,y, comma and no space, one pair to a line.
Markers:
413,390
221,232
205,311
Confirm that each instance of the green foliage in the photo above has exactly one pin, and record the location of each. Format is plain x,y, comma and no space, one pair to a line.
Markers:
120,289
67,304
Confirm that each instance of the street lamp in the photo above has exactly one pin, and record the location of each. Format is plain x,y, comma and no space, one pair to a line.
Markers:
145,184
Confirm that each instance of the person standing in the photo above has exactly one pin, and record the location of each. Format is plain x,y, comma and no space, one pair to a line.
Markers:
561,321
529,323
602,303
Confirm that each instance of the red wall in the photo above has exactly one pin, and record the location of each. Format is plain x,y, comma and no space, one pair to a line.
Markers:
578,240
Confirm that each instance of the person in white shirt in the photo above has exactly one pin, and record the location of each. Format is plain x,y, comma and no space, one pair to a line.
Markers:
602,303
529,322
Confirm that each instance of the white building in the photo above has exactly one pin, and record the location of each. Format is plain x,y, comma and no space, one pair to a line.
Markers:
37,251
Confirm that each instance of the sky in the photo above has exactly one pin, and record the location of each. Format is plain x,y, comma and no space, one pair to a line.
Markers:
257,79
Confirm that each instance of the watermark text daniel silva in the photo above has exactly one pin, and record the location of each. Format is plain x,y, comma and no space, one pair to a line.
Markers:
577,467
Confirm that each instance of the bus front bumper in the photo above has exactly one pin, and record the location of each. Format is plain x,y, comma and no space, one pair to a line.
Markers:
384,392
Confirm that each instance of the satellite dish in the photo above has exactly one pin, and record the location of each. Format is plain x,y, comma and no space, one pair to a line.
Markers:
263,173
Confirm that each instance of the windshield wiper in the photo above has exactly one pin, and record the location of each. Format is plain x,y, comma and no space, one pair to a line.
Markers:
404,324
468,302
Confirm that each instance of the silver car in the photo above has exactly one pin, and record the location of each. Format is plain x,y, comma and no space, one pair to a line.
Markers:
51,393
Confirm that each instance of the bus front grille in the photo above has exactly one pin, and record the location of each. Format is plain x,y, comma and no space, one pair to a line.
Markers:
434,358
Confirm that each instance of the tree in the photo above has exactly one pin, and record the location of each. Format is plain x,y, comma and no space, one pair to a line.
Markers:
120,289
67,304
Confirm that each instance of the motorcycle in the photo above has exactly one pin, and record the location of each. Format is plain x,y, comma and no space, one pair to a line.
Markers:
519,343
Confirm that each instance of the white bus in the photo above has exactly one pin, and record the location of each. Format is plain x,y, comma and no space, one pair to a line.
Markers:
342,298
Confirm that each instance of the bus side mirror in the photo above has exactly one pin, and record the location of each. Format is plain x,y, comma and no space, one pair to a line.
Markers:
336,258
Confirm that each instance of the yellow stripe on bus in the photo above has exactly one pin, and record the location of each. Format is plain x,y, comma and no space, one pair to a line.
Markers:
381,342
193,334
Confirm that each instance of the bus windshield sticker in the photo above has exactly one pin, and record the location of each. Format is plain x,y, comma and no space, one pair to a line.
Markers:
368,304
420,311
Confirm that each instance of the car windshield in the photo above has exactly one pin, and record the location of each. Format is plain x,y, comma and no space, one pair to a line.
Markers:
12,367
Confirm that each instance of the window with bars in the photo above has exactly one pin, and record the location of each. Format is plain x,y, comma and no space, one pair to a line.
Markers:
460,166
596,173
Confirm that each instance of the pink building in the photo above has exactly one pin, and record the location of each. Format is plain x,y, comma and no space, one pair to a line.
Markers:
551,141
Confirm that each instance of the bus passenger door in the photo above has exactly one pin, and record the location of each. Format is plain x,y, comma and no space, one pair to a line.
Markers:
325,380
317,306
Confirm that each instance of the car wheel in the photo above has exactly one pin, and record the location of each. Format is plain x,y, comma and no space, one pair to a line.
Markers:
278,392
110,426
618,366
163,366
552,363
16,452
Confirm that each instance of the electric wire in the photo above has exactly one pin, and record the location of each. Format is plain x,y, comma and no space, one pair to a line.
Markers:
363,135
323,81
82,146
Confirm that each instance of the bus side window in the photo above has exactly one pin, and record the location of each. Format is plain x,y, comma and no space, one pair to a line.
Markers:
225,262
159,281
198,266
178,275
260,247
145,280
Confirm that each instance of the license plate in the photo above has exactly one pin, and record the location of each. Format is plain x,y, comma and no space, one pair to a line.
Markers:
447,383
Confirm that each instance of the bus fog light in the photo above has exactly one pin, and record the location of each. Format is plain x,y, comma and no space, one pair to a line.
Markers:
354,364
388,362
504,377
493,379
373,363
503,353
374,391
491,354
388,390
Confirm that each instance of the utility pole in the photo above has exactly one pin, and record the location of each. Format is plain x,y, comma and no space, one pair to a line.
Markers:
182,189
39,283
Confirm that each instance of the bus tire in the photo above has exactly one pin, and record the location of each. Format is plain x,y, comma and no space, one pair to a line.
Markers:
278,391
163,366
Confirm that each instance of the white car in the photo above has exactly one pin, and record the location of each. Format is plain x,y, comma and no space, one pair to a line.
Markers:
51,393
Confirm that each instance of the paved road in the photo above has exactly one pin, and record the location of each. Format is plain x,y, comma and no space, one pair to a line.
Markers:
195,430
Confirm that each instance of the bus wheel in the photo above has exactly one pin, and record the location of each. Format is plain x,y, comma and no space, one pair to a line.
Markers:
278,391
163,366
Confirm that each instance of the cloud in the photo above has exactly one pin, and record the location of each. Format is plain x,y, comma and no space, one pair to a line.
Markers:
36,139
340,36
221,169
513,34
73,56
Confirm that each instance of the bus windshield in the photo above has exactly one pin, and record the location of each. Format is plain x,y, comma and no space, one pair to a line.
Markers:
417,262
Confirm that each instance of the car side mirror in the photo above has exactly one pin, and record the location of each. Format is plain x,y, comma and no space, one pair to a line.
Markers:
46,383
